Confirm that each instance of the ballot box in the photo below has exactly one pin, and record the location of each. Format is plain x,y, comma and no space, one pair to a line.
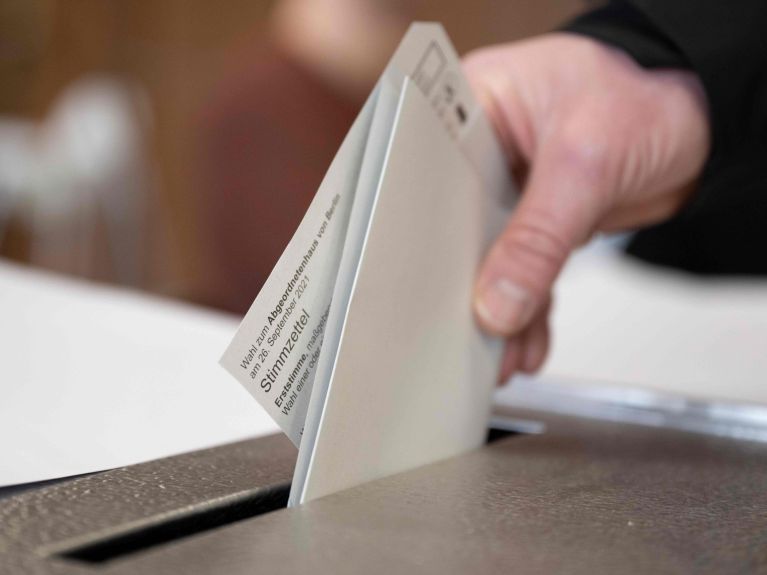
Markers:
577,496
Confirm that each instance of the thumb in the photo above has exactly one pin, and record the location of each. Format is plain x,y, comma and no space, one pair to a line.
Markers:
559,209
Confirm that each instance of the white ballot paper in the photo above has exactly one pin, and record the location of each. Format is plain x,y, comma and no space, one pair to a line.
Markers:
362,345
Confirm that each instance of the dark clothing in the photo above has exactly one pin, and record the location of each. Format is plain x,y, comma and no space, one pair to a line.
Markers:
724,229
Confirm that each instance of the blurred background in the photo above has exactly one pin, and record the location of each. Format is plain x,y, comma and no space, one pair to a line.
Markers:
173,146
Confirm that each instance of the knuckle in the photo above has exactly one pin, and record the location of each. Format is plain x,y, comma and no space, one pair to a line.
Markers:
535,245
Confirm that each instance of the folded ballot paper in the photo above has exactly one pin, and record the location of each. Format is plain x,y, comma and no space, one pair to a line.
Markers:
362,345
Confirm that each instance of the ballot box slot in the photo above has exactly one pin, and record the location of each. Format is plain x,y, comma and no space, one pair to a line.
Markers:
212,515
494,434
199,520
502,427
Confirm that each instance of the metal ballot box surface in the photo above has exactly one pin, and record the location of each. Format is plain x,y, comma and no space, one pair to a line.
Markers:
584,496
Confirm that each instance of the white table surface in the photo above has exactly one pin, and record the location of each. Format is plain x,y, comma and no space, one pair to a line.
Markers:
93,378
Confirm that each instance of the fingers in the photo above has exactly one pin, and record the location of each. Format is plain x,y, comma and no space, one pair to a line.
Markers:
536,344
558,210
497,94
527,351
489,100
511,357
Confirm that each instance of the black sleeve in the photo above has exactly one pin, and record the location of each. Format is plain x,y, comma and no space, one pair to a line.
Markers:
724,229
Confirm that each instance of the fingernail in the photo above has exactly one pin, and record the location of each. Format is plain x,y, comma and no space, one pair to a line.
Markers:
505,306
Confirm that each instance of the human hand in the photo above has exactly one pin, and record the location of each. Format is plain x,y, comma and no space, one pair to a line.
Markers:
599,143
